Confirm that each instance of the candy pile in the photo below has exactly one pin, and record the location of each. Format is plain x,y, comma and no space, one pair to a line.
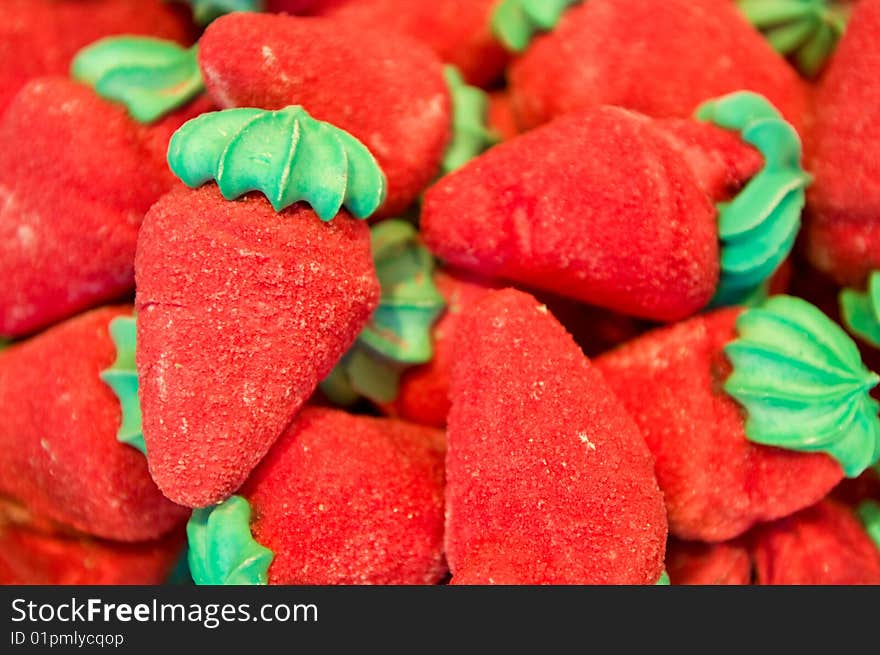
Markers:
462,291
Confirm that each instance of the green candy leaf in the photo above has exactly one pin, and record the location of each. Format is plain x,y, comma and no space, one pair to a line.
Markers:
515,22
470,136
869,514
861,310
398,334
151,77
664,579
286,154
122,378
222,550
803,385
805,31
758,228
204,11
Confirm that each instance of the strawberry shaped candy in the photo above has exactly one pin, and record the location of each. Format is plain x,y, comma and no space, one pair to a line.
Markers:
825,544
618,211
29,556
340,499
78,170
59,454
751,414
842,230
40,37
658,58
698,563
548,478
389,91
244,306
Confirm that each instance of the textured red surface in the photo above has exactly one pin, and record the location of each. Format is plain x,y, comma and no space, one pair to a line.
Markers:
548,478
241,312
823,545
59,455
842,231
716,483
77,176
41,37
459,31
609,214
696,563
343,499
32,558
389,91
659,58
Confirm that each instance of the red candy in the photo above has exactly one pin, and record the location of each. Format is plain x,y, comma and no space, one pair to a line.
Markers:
343,499
543,487
241,312
399,110
697,563
59,455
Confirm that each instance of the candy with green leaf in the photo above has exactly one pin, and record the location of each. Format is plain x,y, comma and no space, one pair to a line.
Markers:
759,226
806,31
861,310
516,22
398,334
286,154
204,11
222,550
151,77
470,135
803,384
123,379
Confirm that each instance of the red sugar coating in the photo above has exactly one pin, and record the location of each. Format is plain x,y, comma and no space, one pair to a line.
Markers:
59,455
388,91
344,499
459,31
659,58
716,482
548,478
423,395
823,545
76,177
41,37
33,558
697,563
609,214
241,312
842,231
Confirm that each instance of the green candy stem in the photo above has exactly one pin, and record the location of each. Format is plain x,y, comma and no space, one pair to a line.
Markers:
869,513
286,154
470,136
759,226
398,334
123,379
516,22
803,385
151,77
205,11
861,310
805,31
222,550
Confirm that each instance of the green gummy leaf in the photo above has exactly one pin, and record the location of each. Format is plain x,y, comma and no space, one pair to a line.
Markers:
151,77
803,385
287,155
205,11
222,550
516,22
664,579
805,31
122,378
399,333
861,310
869,514
470,135
759,227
